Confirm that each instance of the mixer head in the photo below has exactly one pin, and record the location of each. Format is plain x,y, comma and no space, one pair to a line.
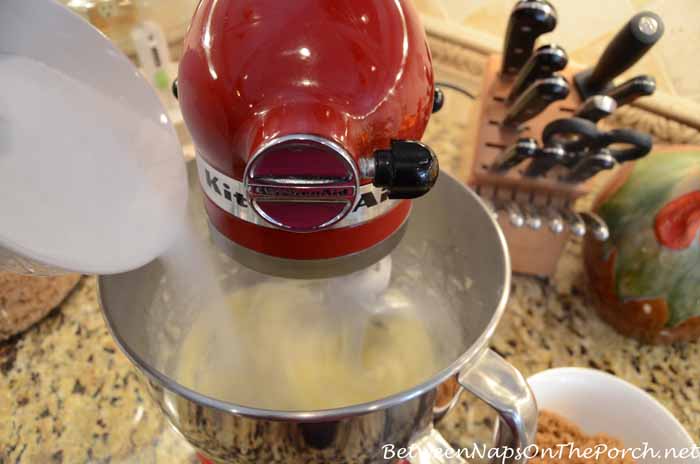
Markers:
306,117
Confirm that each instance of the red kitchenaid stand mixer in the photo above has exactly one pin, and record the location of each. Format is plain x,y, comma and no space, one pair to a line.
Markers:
306,117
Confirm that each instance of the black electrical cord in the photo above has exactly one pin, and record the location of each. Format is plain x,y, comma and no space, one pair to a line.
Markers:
456,87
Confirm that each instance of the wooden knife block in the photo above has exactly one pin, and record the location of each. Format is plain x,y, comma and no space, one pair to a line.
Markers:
533,252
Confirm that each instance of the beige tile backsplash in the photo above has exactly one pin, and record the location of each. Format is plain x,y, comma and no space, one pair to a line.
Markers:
585,27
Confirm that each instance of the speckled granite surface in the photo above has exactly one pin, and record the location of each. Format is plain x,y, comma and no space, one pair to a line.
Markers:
67,395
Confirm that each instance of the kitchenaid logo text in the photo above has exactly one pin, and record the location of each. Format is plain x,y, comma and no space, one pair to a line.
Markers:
229,194
212,182
322,192
224,189
563,451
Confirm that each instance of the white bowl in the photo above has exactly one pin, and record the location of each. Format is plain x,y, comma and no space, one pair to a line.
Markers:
92,177
601,403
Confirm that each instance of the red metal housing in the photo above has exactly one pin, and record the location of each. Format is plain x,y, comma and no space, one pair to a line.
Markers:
354,73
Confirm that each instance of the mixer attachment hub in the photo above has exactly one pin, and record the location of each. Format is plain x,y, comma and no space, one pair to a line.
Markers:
407,170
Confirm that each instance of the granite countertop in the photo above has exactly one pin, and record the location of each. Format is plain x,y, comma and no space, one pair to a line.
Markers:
68,395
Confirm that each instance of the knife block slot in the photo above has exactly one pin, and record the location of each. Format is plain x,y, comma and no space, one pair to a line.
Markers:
533,252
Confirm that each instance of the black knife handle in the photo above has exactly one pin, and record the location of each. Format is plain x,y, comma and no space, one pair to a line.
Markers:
626,48
578,135
596,108
545,160
572,158
528,20
544,62
591,165
573,133
638,144
637,87
536,99
515,154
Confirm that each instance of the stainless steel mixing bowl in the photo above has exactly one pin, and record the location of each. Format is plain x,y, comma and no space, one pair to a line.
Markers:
462,254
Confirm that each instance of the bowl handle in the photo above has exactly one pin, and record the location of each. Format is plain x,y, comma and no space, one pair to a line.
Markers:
493,380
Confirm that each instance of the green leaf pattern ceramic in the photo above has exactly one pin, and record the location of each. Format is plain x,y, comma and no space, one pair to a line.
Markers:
645,268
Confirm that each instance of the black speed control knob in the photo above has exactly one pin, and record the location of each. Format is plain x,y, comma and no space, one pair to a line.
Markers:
407,170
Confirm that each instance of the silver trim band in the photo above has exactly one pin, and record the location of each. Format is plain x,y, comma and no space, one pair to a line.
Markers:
230,195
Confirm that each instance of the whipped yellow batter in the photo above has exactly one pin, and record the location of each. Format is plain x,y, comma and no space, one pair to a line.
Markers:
285,346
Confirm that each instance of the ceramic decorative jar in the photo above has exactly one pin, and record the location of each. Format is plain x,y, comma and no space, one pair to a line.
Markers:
647,276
